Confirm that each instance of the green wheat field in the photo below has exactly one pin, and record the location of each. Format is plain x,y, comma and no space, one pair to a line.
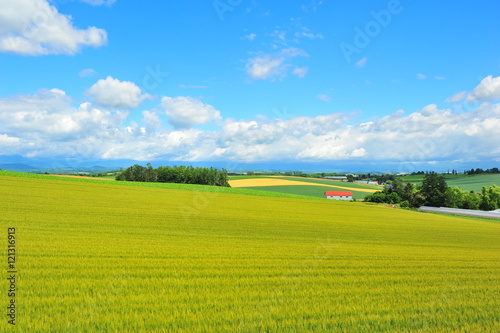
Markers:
101,256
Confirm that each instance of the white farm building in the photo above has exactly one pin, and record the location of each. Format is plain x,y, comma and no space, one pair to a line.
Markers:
338,195
342,178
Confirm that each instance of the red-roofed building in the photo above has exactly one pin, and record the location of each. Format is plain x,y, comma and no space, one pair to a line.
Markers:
338,195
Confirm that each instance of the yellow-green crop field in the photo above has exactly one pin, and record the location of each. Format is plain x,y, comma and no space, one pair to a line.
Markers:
102,257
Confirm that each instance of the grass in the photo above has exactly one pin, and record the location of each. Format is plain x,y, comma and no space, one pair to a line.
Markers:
171,186
475,182
312,190
246,177
420,178
107,177
467,217
468,183
97,256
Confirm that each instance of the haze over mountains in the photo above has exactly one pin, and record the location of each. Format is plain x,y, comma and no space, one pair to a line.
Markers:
23,164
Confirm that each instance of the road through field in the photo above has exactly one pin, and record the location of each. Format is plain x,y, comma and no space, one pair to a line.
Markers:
280,182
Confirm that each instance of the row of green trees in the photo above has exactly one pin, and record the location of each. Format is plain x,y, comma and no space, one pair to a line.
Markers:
435,192
480,171
290,173
176,174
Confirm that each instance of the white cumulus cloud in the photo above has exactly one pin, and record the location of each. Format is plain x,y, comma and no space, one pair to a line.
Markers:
47,124
272,66
49,116
5,139
457,97
361,63
152,120
309,35
111,92
187,112
87,72
265,67
324,97
487,90
359,152
251,37
300,72
34,27
421,76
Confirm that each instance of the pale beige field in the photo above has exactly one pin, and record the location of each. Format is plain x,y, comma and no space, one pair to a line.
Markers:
257,182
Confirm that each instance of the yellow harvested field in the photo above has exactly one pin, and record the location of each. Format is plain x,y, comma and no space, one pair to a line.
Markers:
280,182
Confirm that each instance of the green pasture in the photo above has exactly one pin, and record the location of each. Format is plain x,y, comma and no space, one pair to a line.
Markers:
419,178
101,256
246,177
171,186
475,182
467,183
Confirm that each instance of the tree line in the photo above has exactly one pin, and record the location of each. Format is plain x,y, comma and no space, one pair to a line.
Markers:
176,174
435,192
480,171
477,171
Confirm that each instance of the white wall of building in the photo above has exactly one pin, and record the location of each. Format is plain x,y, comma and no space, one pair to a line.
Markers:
339,197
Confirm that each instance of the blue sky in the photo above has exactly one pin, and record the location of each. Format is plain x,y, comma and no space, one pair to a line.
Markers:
386,82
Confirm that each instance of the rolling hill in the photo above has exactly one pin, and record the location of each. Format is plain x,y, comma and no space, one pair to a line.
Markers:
106,256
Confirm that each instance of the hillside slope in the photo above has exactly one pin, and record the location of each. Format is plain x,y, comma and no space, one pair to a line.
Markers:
100,257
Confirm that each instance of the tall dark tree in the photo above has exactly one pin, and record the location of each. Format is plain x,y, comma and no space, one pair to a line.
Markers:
150,174
434,189
408,193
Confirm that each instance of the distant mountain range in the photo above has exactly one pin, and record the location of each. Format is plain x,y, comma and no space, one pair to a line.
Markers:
16,167
23,164
64,165
19,167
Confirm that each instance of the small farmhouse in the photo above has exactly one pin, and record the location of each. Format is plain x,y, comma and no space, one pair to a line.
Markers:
338,195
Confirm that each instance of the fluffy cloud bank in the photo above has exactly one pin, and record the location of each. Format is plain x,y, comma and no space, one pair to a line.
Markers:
118,94
34,27
487,90
47,124
187,112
